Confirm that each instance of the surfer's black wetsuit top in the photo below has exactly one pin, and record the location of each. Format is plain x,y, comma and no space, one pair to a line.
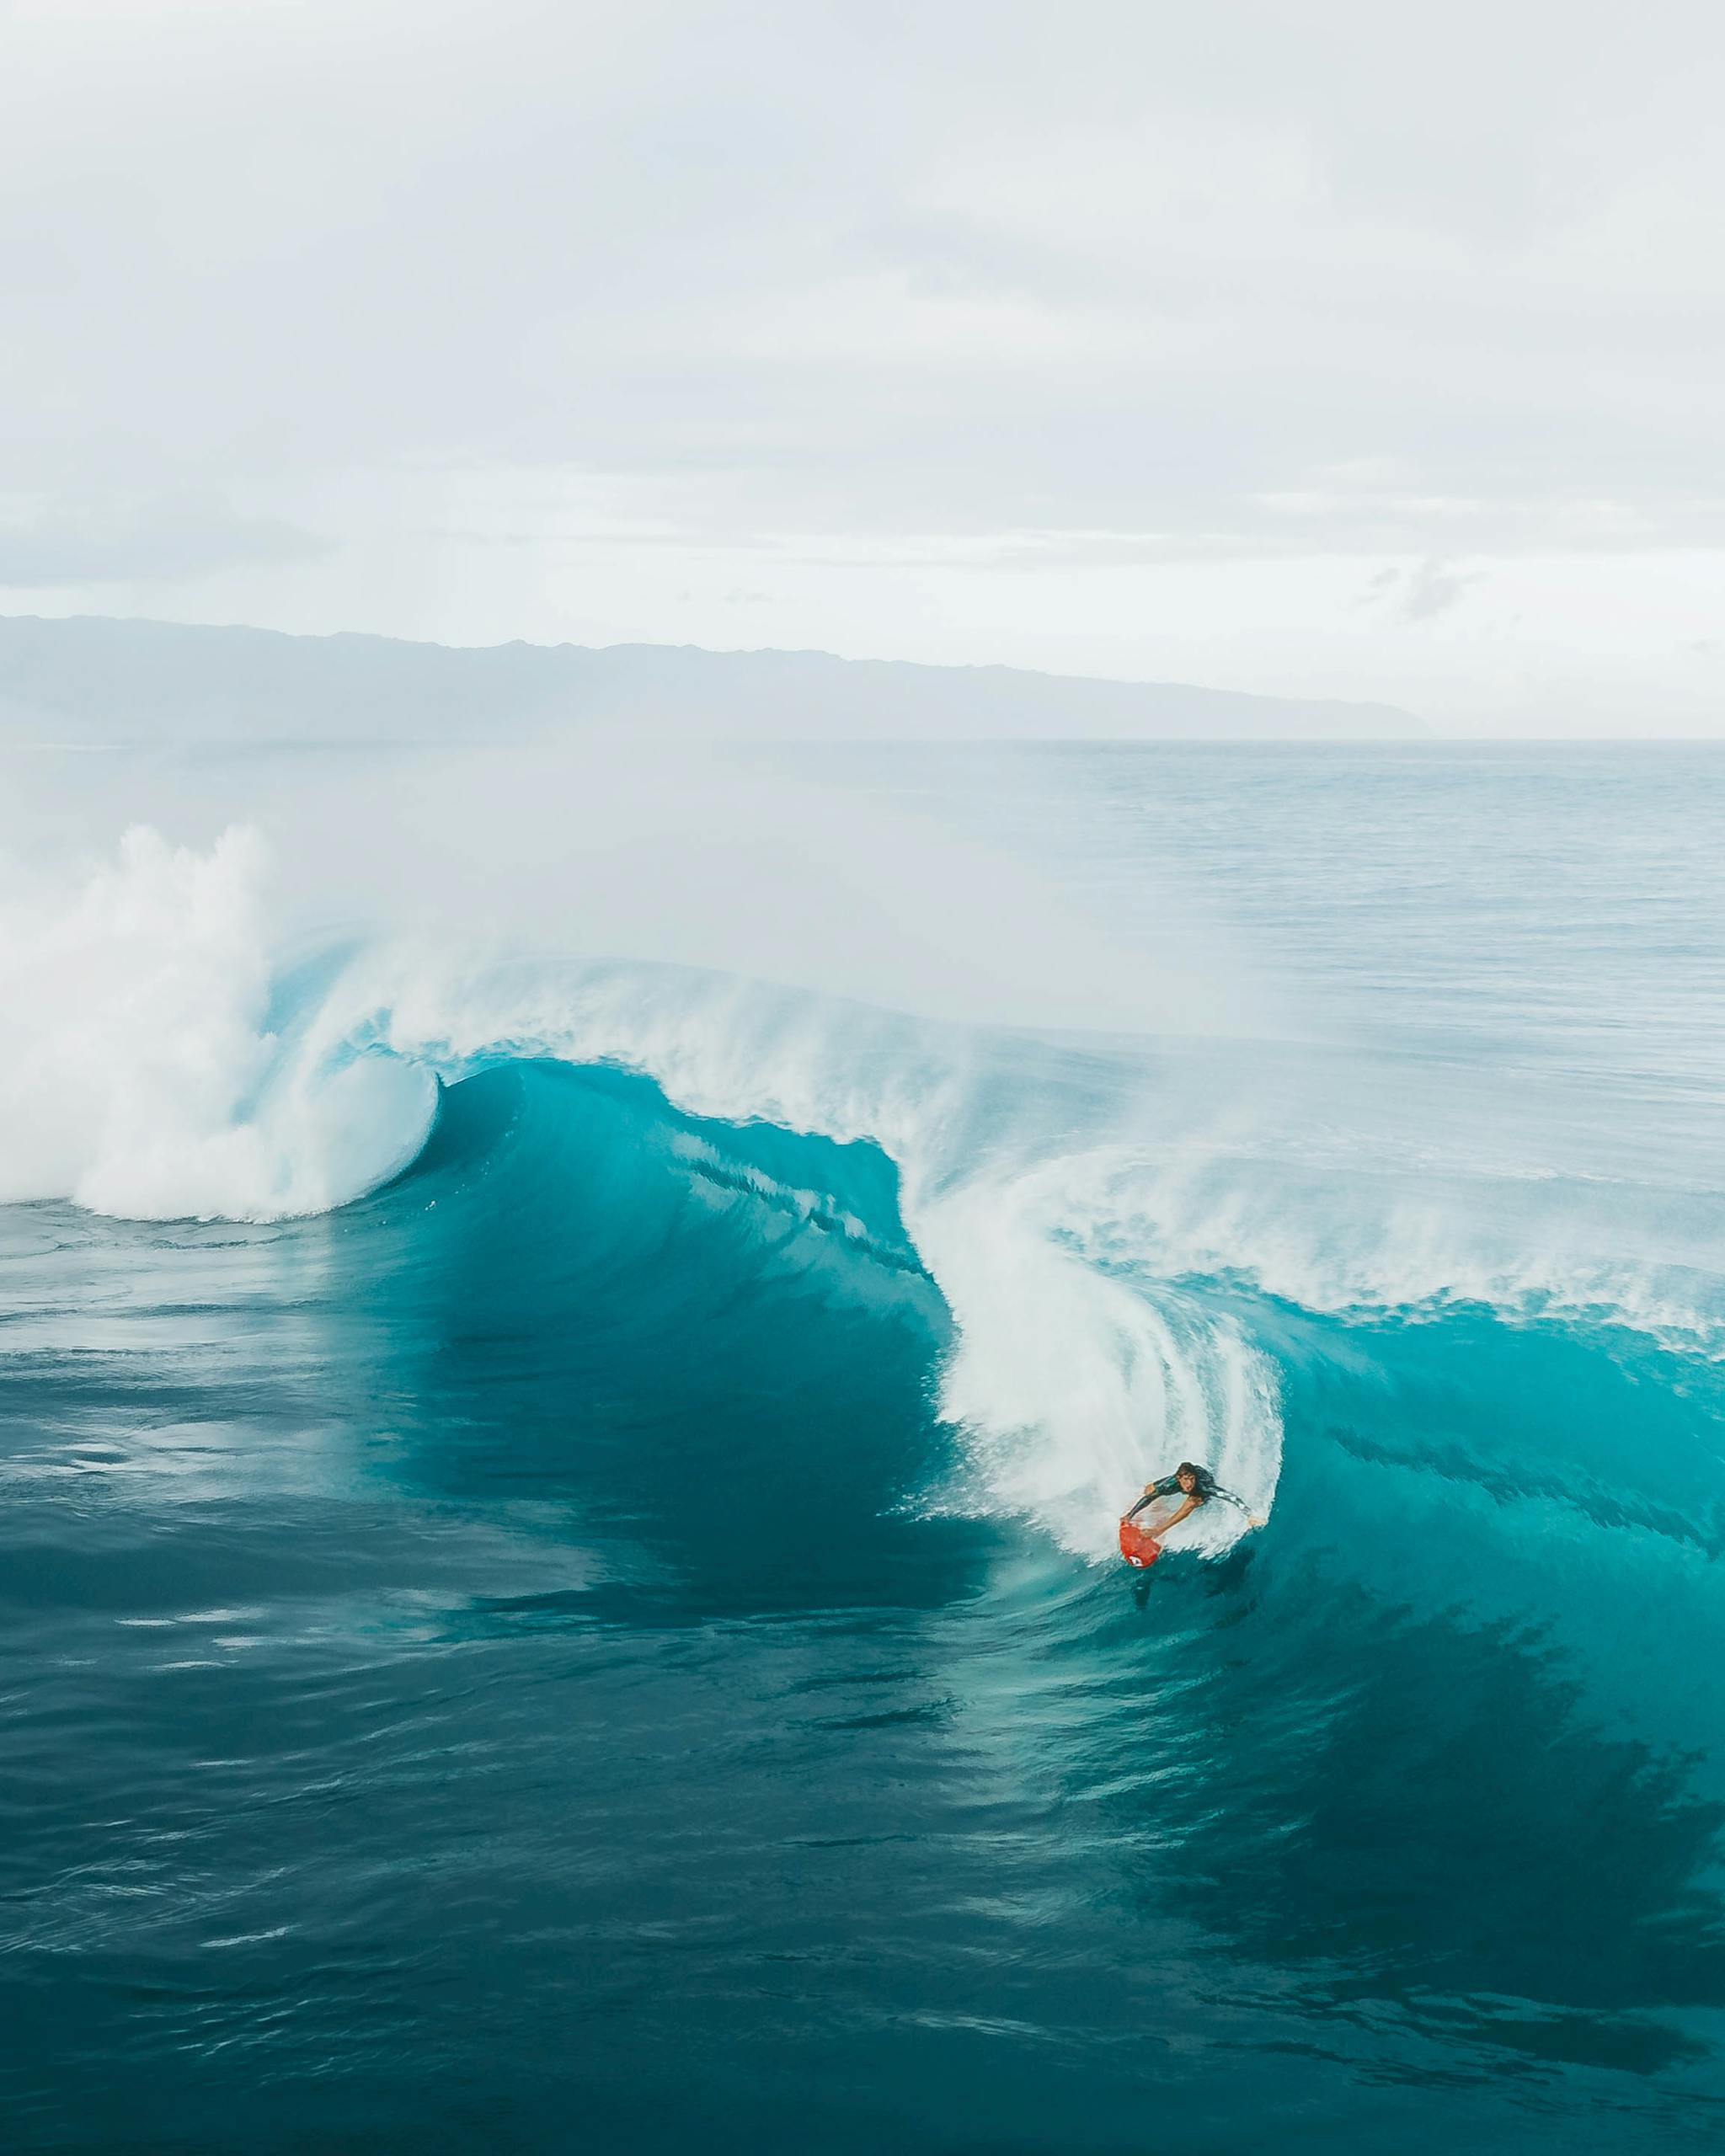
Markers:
1169,1486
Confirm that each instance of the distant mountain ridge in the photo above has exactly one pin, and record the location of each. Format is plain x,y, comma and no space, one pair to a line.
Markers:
93,679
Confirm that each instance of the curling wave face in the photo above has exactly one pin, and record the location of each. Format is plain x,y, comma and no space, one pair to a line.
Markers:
1112,1232
213,1088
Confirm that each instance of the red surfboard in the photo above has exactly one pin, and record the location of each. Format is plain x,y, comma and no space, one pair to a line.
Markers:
1136,1547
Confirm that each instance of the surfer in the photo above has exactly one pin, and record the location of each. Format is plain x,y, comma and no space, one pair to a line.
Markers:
1196,1486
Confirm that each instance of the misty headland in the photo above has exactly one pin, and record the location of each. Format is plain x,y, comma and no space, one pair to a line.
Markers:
93,681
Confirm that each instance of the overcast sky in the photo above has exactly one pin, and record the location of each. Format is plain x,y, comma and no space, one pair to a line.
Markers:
1331,349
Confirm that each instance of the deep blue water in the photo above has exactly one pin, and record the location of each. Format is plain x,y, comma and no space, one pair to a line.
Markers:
606,1638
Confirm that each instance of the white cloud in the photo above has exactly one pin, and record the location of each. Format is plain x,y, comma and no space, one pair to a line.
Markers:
926,294
58,543
1432,588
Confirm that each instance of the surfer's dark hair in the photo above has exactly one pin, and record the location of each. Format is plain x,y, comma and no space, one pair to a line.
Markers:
1201,1476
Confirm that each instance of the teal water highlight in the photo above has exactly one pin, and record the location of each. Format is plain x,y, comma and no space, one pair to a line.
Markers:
563,1649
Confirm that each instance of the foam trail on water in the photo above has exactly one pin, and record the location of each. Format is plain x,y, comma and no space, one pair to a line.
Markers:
1355,1235
1075,1388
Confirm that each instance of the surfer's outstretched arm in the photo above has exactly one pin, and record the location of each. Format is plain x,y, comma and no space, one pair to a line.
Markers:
1253,1518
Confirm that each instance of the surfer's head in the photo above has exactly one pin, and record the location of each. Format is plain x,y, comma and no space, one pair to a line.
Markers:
1194,1481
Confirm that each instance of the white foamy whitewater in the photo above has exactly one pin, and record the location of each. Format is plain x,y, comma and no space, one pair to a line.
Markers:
1159,1045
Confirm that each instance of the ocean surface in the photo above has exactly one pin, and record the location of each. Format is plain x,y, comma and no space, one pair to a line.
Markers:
572,1339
